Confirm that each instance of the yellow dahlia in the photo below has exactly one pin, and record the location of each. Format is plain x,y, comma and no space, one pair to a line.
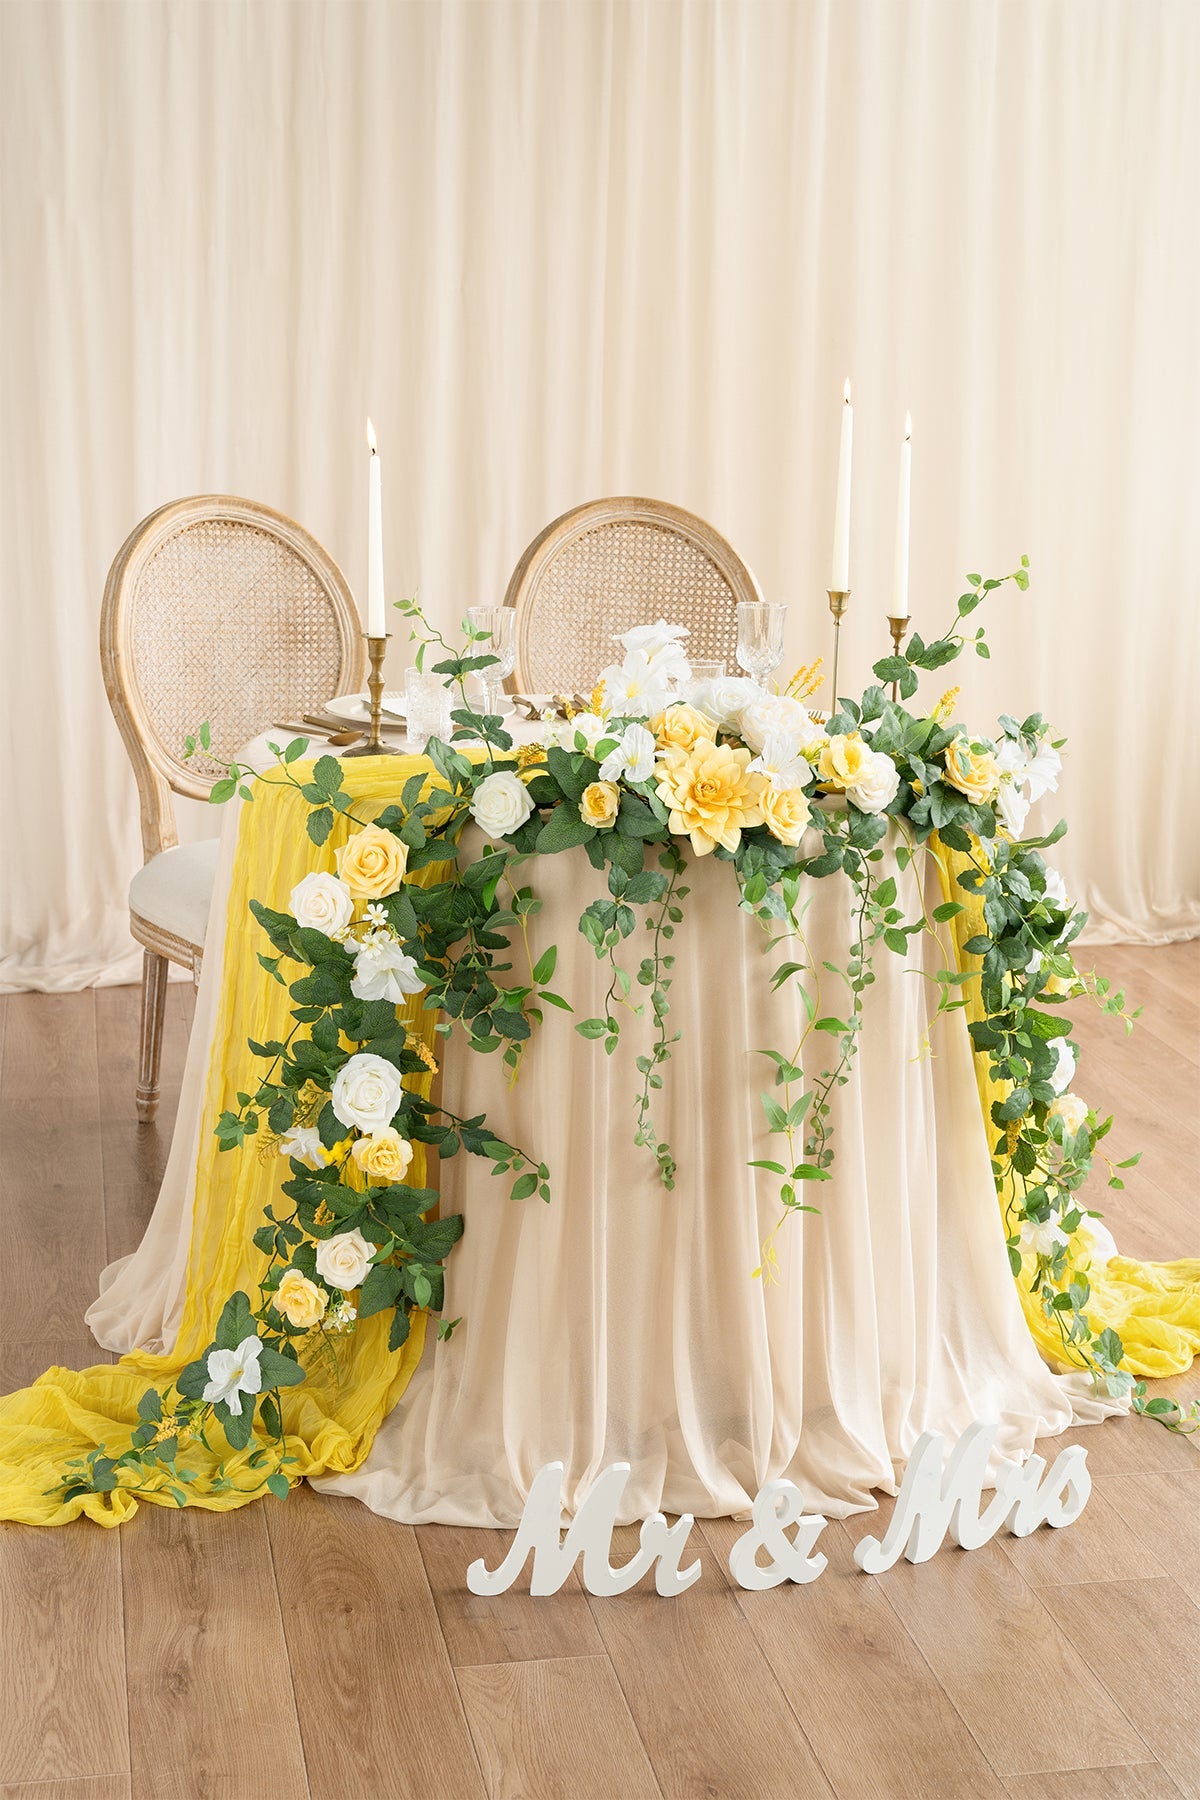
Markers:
711,794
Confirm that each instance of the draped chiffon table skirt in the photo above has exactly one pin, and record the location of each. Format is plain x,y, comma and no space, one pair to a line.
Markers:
626,1322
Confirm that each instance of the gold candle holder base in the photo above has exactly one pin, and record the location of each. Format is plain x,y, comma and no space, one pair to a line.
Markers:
838,601
897,626
375,746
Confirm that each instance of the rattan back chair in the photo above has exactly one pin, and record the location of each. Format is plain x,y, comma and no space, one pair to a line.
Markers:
604,567
223,610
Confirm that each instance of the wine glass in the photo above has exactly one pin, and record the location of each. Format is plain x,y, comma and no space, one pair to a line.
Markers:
760,637
496,624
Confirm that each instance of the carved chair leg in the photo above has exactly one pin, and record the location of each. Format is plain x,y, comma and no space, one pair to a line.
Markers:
154,1001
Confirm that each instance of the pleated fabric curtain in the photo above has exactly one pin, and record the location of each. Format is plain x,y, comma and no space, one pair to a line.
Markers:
611,246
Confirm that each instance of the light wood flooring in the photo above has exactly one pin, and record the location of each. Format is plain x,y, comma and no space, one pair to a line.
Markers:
308,1648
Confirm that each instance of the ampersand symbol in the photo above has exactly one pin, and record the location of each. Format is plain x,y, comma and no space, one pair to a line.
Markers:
778,1505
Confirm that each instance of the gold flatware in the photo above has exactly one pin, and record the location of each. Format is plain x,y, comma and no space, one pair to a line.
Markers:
311,727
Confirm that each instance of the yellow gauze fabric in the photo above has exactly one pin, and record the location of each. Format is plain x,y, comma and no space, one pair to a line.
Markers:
1154,1307
331,1418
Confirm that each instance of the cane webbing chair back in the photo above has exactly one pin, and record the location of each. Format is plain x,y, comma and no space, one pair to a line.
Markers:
601,569
219,609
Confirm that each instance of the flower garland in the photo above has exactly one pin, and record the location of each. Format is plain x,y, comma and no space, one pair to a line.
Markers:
656,767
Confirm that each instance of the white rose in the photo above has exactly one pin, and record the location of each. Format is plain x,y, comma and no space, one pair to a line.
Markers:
725,699
501,804
383,970
303,1144
777,715
1071,1110
344,1261
366,1092
1044,1239
877,784
633,757
322,902
1065,1064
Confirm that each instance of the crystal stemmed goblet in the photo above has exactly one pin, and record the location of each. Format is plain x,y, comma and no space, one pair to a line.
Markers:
494,623
760,637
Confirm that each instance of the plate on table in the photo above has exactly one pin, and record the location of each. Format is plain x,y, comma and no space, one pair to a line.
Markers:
356,708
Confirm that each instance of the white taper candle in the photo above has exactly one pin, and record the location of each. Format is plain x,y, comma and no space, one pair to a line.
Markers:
839,579
376,617
900,570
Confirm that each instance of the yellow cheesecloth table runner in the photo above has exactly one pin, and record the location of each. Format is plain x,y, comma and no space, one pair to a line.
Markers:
1153,1307
331,1420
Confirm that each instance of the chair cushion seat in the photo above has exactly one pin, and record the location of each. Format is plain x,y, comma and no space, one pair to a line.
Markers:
174,889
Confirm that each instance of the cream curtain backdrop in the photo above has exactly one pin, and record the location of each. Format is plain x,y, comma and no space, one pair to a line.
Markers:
560,250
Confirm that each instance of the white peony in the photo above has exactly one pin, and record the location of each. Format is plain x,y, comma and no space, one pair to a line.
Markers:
877,785
633,758
303,1144
775,716
345,1260
782,762
726,698
1044,1240
366,1092
383,970
232,1373
1071,1110
501,804
322,902
1067,1061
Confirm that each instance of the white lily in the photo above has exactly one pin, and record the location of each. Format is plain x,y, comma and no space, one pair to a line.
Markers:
782,761
232,1373
303,1144
383,970
661,646
634,688
1043,1239
633,758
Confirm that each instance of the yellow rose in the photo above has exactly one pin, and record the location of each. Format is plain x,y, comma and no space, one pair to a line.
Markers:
786,813
598,804
300,1301
843,760
372,864
384,1156
681,727
972,772
711,794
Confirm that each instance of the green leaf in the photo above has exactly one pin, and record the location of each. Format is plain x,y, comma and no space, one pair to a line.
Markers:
562,831
543,968
379,1290
524,1186
235,1323
279,1484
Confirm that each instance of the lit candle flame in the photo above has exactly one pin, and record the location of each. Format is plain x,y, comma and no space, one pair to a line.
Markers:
371,444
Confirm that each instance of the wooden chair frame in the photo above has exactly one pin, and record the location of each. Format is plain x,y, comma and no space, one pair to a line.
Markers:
157,767
569,526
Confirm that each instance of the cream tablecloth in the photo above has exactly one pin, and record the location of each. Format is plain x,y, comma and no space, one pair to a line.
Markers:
624,1322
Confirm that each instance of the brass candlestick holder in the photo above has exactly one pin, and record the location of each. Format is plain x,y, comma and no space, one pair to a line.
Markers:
897,626
375,746
838,600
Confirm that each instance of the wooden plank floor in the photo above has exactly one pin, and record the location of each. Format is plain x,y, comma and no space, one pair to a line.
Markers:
311,1649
